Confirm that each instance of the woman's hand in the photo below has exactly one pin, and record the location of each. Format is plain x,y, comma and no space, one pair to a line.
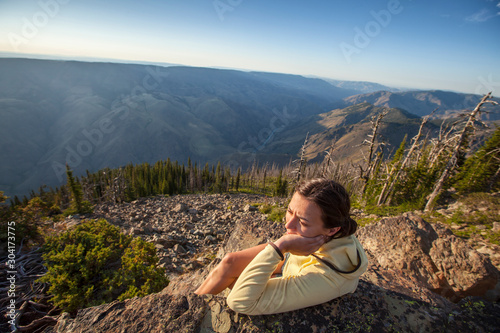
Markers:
300,245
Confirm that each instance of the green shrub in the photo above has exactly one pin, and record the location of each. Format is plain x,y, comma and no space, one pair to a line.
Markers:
28,221
274,213
94,264
85,208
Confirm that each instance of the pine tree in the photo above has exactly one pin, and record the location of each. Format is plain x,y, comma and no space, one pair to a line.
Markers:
219,175
227,177
76,190
2,197
481,171
238,176
281,187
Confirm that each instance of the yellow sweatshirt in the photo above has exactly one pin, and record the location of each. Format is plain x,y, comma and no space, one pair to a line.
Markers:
305,281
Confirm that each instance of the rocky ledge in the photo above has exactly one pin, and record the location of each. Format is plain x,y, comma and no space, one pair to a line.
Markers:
420,278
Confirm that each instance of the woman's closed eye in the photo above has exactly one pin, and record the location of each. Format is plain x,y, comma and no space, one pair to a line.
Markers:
302,220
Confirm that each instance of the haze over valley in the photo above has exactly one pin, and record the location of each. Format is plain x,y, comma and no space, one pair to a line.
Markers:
97,115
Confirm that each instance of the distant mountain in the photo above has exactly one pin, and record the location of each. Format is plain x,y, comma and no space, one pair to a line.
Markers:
422,103
96,115
362,87
347,128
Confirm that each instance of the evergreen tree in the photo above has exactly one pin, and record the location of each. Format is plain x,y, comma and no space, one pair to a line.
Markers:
17,202
480,172
227,177
238,176
218,178
76,190
281,187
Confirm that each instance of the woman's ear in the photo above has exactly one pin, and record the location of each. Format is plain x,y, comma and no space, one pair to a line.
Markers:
332,231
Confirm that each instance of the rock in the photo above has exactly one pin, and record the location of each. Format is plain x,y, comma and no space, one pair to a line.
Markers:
468,272
147,229
166,243
207,206
188,226
198,233
136,231
250,208
458,226
210,239
169,313
496,227
180,208
179,249
430,256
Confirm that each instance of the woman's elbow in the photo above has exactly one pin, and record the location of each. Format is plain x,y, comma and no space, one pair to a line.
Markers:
240,306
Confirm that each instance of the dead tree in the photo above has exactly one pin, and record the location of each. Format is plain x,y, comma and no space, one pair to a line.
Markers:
443,143
328,159
32,299
461,144
365,174
302,163
396,170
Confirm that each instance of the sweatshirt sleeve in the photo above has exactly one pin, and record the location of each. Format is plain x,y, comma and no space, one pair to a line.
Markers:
255,292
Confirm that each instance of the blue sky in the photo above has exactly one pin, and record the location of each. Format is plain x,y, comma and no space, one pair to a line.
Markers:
441,44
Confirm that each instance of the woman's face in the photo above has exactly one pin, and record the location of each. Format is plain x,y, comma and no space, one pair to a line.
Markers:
303,217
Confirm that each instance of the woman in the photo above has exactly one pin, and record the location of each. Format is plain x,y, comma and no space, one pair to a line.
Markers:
323,258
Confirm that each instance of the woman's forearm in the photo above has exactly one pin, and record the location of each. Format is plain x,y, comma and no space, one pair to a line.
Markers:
247,290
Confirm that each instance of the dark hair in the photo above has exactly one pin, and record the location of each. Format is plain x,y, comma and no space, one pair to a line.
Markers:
333,200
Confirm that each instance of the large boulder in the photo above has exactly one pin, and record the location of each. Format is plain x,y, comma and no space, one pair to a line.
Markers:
386,300
429,255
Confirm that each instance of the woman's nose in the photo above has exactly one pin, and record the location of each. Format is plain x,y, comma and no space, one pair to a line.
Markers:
291,223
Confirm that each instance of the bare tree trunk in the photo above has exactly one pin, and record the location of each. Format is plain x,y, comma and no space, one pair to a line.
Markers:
452,163
369,169
302,163
328,158
383,196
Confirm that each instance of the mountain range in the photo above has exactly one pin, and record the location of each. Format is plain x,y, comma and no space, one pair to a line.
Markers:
445,104
96,115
